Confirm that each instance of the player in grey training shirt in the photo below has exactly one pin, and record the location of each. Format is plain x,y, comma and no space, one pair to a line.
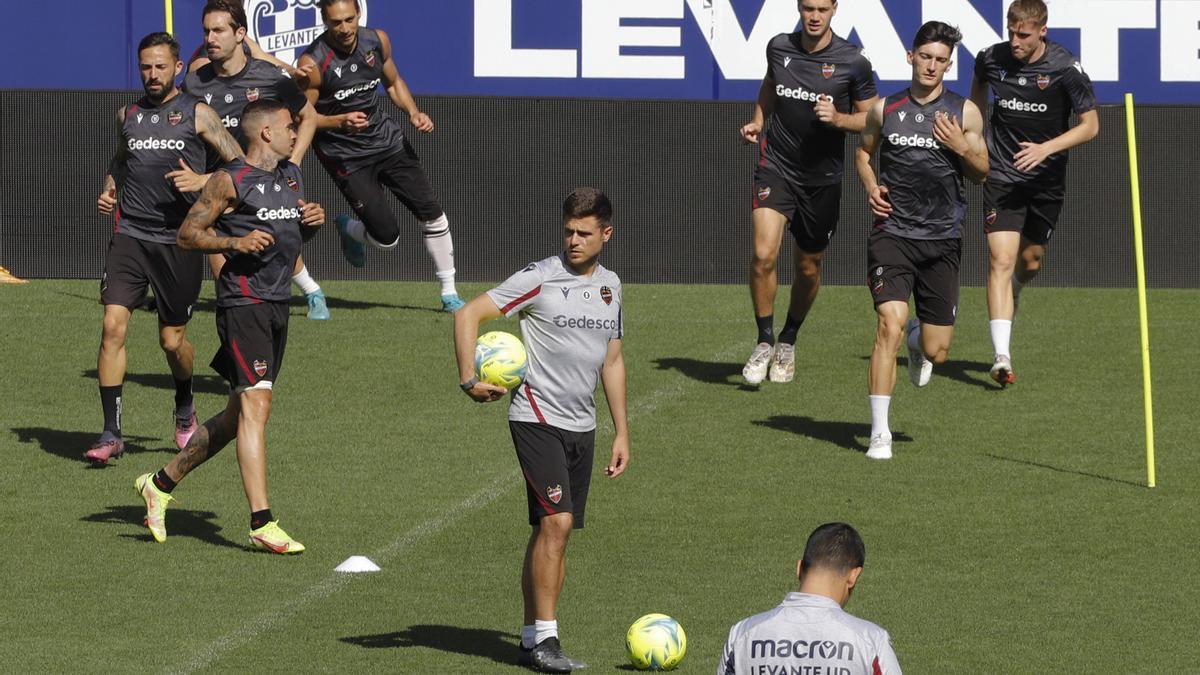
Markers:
809,632
572,323
156,133
928,138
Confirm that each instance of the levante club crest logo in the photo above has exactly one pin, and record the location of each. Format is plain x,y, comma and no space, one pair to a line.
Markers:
285,27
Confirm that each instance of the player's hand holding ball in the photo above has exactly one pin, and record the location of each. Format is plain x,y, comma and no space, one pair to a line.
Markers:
500,364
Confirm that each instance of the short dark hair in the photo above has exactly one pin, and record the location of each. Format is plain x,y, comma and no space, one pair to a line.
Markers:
588,201
323,4
232,7
253,113
836,547
157,40
936,31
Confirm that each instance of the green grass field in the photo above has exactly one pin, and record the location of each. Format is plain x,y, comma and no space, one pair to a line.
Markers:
1011,533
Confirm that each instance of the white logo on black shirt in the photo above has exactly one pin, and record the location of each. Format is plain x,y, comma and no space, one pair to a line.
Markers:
262,189
208,98
229,98
139,118
154,119
786,61
902,115
337,71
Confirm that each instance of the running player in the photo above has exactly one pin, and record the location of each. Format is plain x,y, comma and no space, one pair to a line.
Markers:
573,334
810,632
156,133
260,237
230,79
1038,84
364,150
928,137
818,86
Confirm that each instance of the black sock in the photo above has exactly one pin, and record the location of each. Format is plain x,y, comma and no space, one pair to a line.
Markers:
766,328
260,518
183,398
790,328
163,482
110,400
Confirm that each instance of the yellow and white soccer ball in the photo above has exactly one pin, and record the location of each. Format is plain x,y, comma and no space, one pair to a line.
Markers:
656,642
500,359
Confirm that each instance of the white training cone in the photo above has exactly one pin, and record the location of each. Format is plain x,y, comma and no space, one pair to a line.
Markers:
357,563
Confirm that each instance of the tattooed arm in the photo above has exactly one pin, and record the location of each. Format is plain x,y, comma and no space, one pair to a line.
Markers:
212,130
196,232
115,178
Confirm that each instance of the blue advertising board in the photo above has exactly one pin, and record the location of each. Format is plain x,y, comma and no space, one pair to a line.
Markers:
660,49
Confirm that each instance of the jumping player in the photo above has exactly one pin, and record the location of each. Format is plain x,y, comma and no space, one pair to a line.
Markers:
1038,84
573,333
230,79
253,212
817,87
928,137
364,150
156,133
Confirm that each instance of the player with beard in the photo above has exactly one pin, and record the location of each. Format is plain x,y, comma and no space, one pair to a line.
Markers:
364,150
229,80
162,129
818,86
928,138
1038,85
253,212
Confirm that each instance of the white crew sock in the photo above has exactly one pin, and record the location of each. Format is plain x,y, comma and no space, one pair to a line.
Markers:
440,246
543,630
1001,336
914,338
879,415
528,633
305,282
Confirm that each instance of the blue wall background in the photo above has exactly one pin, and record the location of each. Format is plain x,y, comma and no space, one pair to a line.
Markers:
436,42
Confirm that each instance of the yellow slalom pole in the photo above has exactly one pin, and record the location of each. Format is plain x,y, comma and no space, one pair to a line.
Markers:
1141,282
167,5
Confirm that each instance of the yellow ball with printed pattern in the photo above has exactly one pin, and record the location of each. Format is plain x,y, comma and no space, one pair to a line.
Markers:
656,642
500,359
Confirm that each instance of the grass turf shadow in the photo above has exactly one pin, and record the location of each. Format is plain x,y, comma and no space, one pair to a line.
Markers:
843,434
1056,469
72,444
181,523
955,369
201,384
712,372
481,642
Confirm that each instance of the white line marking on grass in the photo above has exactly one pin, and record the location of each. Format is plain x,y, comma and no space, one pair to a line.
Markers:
251,629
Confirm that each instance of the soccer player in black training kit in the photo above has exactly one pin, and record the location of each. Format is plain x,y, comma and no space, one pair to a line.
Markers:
1038,84
160,130
229,77
817,87
928,138
253,212
364,150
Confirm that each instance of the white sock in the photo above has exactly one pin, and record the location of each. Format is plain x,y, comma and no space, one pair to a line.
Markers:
879,415
527,636
543,630
357,230
914,338
305,282
440,246
1001,336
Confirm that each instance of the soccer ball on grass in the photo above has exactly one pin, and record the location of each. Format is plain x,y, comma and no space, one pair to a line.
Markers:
656,642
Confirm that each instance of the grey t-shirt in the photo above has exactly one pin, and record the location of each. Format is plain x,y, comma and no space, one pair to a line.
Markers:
567,321
811,634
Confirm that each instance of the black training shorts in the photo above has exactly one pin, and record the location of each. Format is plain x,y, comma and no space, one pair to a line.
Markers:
557,465
399,172
812,211
253,338
133,264
1031,210
926,268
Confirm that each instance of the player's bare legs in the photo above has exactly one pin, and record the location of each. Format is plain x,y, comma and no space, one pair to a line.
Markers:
806,282
209,439
252,445
110,364
881,374
545,567
177,349
769,225
1005,249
